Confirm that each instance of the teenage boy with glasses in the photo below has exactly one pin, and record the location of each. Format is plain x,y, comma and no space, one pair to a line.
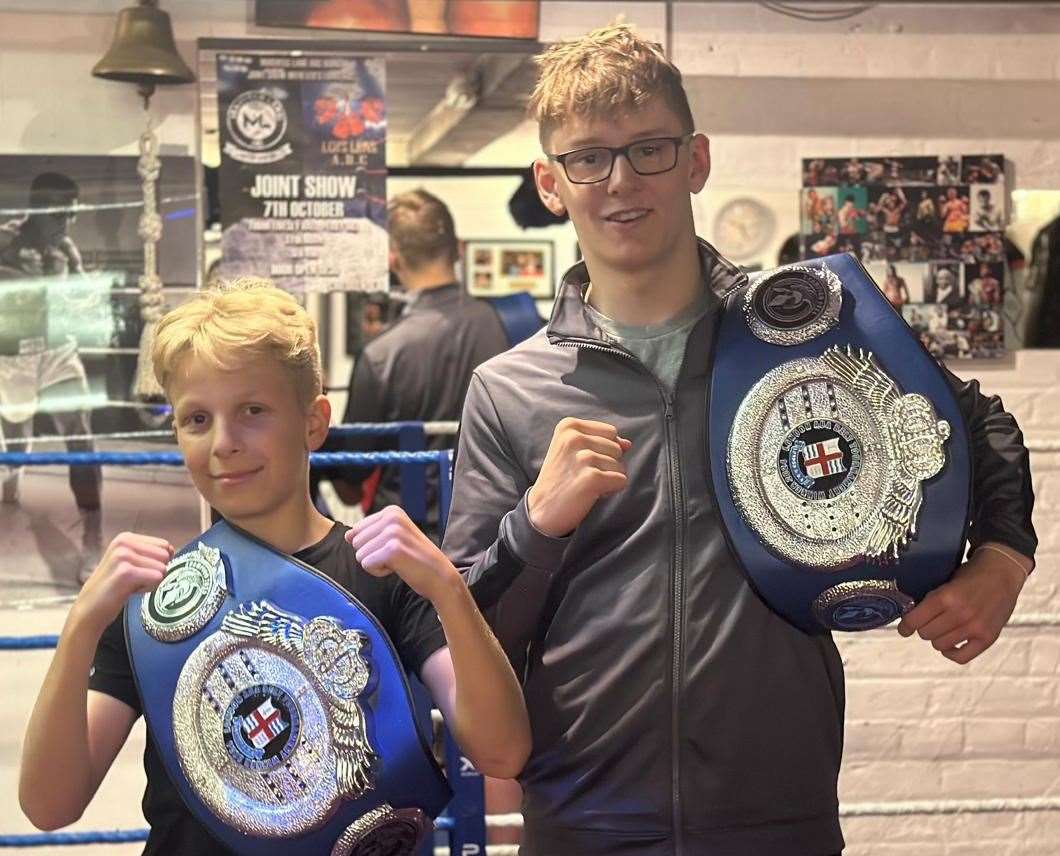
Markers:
672,712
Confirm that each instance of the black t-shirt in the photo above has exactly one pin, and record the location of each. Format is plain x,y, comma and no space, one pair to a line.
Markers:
409,620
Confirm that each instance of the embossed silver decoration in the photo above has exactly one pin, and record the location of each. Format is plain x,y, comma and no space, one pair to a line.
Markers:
303,680
861,605
793,304
189,595
826,460
394,832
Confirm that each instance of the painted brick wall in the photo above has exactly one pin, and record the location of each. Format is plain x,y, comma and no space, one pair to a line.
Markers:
922,728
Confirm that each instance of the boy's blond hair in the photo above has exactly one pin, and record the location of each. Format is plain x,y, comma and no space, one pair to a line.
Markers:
239,320
607,69
421,228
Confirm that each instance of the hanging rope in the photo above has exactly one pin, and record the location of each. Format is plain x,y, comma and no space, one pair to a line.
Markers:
152,302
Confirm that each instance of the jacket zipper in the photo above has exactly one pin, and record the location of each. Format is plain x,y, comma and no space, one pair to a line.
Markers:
677,575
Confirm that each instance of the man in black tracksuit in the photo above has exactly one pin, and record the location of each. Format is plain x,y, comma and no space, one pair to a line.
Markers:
672,711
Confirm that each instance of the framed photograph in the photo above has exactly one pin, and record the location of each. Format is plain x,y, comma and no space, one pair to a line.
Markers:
70,261
819,211
504,19
496,268
942,284
988,207
982,169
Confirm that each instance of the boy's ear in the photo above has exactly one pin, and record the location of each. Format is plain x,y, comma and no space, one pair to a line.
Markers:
547,187
698,162
318,419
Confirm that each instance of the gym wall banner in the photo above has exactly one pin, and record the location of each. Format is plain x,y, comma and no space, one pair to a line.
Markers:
930,230
303,170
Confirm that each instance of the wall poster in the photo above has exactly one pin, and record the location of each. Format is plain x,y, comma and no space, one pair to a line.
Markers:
303,170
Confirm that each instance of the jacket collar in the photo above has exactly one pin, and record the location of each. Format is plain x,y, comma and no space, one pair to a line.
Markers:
570,320
429,298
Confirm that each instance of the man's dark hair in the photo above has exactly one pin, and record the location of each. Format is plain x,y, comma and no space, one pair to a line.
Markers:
49,189
421,228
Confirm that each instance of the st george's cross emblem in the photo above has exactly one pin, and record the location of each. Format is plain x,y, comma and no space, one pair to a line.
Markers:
823,459
264,724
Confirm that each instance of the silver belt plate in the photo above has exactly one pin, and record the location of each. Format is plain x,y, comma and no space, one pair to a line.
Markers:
827,458
268,721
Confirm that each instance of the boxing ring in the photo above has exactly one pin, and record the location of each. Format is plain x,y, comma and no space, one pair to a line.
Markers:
461,829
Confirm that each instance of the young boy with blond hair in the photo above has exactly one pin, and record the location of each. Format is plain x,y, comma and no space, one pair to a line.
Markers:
241,367
672,711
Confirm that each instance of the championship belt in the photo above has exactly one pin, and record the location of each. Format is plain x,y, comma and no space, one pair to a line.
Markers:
279,706
841,446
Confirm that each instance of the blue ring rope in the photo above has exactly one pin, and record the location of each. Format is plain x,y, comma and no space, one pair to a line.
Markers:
46,839
370,429
175,459
27,643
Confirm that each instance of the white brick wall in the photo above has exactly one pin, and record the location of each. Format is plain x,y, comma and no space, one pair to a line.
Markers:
921,728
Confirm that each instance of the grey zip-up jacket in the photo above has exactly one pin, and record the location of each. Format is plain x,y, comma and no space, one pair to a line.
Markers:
672,712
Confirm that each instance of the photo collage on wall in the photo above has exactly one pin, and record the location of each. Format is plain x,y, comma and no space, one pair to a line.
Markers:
930,232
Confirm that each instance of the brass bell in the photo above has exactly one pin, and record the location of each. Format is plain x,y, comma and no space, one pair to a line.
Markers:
143,51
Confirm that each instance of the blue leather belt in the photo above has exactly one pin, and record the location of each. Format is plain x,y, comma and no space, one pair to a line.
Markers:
278,705
839,454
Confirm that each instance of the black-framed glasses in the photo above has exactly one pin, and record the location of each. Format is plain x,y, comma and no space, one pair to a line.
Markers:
647,157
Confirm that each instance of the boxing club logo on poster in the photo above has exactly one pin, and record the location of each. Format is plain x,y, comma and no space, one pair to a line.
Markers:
257,123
